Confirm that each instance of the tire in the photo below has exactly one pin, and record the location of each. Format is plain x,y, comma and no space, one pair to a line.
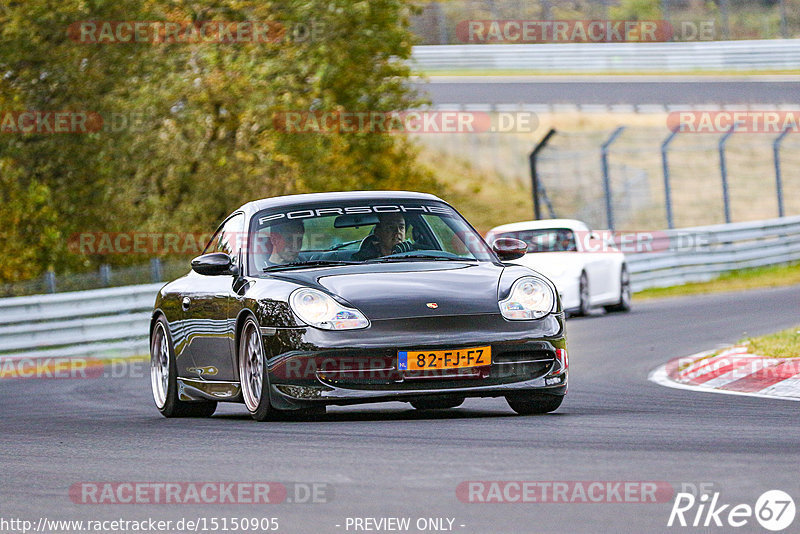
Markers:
438,403
253,375
534,403
624,304
164,381
583,292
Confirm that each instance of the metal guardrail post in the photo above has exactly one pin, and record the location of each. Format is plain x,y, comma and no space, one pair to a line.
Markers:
537,209
50,281
723,169
665,168
606,178
105,275
156,272
776,156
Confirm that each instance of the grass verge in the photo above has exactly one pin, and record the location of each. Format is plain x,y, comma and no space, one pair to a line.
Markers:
773,276
783,344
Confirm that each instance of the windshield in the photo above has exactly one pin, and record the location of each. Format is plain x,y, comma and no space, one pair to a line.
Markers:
542,240
363,232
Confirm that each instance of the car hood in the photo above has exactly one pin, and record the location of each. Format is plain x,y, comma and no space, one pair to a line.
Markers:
391,291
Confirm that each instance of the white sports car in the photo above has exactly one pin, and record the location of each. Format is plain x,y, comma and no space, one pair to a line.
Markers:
587,268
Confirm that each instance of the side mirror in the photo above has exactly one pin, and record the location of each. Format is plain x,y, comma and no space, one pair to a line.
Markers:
214,263
508,248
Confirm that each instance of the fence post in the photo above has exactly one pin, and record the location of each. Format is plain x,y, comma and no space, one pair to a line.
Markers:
723,169
155,270
665,13
724,7
537,209
784,26
606,179
105,275
50,281
665,168
545,4
776,156
441,25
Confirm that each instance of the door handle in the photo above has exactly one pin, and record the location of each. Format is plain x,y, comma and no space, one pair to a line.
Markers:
185,303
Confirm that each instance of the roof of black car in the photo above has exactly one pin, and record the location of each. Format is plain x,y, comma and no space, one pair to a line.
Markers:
292,200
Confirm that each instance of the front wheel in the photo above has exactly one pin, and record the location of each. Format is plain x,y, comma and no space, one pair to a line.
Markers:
534,403
253,372
164,381
624,303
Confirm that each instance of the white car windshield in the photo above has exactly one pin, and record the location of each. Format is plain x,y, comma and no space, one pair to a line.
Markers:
542,240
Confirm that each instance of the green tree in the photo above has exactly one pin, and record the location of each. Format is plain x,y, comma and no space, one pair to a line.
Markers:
189,132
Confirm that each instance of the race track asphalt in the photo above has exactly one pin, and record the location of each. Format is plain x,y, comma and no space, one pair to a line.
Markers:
388,460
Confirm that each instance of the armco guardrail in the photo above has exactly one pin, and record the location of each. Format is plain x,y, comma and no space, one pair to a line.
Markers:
704,252
115,322
611,57
99,322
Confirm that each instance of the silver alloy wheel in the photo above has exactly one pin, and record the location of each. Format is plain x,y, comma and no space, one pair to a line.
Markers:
584,293
159,365
625,281
251,366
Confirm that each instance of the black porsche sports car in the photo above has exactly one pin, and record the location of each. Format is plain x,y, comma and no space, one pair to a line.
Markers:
303,301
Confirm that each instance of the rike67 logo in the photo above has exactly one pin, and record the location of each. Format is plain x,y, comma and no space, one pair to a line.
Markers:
774,510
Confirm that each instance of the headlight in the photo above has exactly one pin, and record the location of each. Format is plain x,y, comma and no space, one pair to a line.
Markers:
317,309
530,298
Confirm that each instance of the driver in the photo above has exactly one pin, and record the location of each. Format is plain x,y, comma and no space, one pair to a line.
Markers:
287,240
388,237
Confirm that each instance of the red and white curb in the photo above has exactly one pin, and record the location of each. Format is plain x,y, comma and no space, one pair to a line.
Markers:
732,371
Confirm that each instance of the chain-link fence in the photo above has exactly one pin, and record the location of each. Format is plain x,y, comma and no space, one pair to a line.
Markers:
682,183
438,22
572,180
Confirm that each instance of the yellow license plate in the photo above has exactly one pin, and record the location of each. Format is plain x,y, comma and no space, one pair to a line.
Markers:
423,360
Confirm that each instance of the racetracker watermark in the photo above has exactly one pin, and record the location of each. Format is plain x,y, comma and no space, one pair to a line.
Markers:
188,32
721,122
50,122
74,368
259,493
151,243
564,492
694,371
553,240
581,31
604,241
392,122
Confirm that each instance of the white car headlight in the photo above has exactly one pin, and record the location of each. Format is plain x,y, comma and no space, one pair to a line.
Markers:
530,298
318,309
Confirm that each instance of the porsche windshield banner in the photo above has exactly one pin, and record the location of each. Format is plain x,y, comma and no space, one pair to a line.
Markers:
356,210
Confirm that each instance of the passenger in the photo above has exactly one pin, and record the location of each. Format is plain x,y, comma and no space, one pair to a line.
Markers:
287,240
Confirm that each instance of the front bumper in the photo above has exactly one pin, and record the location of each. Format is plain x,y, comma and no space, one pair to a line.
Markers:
310,366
